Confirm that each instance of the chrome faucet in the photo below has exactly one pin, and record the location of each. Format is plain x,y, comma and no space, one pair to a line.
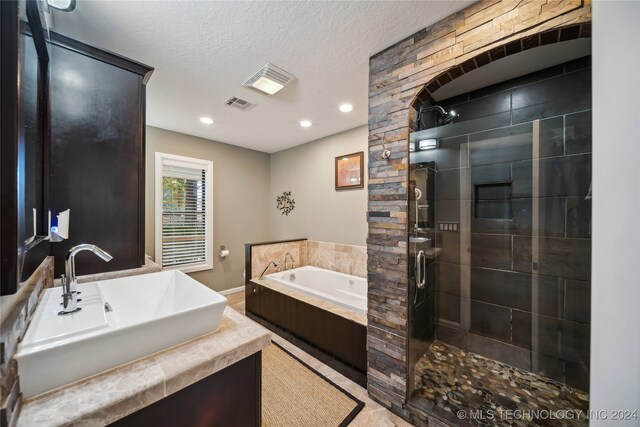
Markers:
69,280
289,255
275,264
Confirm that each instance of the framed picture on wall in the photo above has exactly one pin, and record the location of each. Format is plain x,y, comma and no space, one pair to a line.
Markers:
350,171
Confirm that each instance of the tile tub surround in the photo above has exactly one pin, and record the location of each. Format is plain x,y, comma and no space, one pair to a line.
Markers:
261,254
16,316
107,397
397,75
348,259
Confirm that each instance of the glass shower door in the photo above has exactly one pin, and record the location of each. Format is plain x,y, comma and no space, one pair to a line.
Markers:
510,245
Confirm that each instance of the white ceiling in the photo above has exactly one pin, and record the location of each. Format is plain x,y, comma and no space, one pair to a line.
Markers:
203,51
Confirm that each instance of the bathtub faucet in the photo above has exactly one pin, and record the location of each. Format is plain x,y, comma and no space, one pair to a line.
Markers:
289,255
275,264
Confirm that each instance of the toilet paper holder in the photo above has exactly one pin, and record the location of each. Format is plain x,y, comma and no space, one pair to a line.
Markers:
224,252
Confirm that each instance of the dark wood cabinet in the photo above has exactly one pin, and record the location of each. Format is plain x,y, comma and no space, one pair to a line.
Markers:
97,156
229,398
73,132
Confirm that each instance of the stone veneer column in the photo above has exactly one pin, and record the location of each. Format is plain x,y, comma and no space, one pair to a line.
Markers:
485,31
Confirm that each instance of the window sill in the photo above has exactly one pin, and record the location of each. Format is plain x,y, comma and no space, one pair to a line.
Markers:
190,268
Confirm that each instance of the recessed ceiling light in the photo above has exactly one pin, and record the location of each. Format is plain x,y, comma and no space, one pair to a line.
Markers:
206,120
345,108
305,123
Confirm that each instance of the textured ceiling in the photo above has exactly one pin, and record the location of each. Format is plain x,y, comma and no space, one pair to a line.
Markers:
203,51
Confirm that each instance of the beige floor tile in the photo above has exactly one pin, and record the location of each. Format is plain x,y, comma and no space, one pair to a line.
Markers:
378,418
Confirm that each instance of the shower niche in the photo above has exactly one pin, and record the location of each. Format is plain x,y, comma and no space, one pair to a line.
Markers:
500,239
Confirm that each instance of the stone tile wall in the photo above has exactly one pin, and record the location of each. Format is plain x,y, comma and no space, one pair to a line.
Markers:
397,75
14,324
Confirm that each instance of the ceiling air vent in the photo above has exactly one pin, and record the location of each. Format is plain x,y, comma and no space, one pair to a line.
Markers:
240,104
269,79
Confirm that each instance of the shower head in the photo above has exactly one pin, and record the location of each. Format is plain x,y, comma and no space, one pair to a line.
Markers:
449,118
437,108
446,117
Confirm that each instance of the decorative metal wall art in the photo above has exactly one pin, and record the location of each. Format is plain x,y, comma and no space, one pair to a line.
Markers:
285,203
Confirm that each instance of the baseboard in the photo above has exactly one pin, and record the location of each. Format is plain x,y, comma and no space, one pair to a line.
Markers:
232,290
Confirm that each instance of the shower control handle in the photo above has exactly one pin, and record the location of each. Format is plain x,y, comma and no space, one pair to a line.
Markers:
421,264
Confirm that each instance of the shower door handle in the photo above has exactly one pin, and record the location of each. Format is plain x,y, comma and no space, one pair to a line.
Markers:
421,266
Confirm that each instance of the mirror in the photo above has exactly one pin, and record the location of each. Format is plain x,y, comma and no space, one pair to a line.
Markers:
24,147
32,133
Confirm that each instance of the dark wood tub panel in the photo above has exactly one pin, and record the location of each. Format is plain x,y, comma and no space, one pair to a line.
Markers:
342,338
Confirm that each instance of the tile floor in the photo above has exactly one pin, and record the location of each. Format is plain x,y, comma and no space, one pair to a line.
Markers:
372,415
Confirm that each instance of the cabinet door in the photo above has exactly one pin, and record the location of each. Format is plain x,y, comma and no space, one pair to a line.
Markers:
231,397
97,159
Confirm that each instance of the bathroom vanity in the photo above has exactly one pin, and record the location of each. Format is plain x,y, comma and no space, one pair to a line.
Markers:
217,376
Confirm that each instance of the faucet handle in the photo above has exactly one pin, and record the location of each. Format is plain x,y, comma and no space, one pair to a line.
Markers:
66,295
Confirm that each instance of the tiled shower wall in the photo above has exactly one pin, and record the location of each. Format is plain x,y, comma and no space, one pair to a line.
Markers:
526,301
396,76
348,259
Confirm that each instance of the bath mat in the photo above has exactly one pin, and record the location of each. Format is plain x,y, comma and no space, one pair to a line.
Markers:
296,395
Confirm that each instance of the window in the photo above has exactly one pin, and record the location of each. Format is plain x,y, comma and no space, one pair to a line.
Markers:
184,213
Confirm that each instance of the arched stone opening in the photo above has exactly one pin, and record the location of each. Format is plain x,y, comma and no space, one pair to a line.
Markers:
557,35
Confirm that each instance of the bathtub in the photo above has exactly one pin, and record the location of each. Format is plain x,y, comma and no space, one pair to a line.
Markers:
341,289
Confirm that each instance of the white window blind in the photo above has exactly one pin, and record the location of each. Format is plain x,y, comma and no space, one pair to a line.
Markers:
184,214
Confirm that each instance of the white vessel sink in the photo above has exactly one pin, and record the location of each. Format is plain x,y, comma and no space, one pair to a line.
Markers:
150,312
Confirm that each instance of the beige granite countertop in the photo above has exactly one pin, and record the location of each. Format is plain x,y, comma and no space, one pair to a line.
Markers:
107,397
149,267
357,317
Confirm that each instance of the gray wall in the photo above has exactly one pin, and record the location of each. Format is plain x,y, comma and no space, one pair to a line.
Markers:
241,188
615,350
321,212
